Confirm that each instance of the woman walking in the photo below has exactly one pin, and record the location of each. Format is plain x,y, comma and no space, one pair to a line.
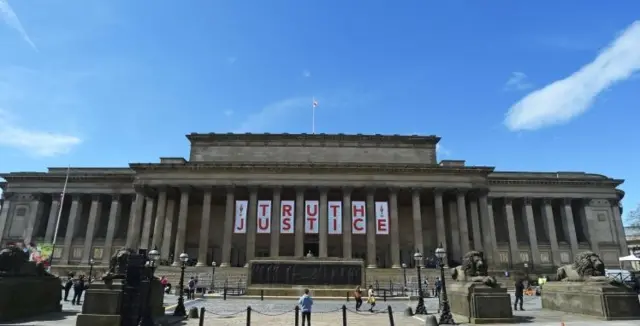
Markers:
357,294
371,298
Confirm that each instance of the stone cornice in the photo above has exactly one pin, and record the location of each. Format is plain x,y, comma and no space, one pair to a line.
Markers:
76,175
315,140
552,178
282,167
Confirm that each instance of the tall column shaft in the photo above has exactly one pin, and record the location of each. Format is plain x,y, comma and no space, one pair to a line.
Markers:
440,226
394,226
417,222
514,252
488,228
550,228
531,228
94,220
53,218
112,227
252,225
167,233
299,223
74,216
148,221
589,224
203,244
323,226
462,223
135,220
622,241
158,227
454,240
475,225
181,233
227,235
346,224
567,215
371,229
35,209
274,249
4,215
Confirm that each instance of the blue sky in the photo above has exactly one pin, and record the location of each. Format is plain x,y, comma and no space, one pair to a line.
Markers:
520,85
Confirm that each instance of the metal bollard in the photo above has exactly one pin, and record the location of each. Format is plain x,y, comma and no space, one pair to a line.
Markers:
201,323
224,293
261,295
347,296
344,315
248,315
384,296
390,310
297,315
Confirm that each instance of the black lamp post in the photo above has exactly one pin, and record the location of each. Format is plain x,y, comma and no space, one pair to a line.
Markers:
420,308
526,271
213,274
91,263
404,274
445,311
180,309
147,315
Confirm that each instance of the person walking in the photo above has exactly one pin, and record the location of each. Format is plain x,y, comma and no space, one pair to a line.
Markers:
437,287
78,288
305,303
371,298
192,289
67,287
357,294
519,294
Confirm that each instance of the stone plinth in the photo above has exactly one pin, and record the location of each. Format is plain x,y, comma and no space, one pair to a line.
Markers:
598,299
480,303
103,302
29,296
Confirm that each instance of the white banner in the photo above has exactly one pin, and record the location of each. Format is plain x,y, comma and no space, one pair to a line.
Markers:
286,216
335,217
311,214
264,216
358,217
382,217
240,225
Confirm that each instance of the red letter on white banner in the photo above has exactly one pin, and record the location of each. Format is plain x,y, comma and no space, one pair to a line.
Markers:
264,216
240,225
335,217
311,211
358,217
382,217
286,216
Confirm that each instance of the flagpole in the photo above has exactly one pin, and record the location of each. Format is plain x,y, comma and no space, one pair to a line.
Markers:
55,233
313,115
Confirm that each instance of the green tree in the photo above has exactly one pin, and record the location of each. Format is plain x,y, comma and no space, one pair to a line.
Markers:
633,218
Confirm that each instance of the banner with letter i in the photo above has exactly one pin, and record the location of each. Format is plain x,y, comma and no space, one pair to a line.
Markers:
240,225
335,217
382,217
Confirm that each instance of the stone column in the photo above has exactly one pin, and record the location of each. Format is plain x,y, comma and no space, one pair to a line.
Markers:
203,244
531,227
550,229
227,235
252,224
440,225
475,224
417,222
622,241
53,218
346,223
74,216
488,228
148,221
167,234
299,223
32,222
567,215
394,228
588,225
274,249
371,229
135,220
112,227
514,252
4,214
323,224
181,233
454,249
94,221
161,210
462,222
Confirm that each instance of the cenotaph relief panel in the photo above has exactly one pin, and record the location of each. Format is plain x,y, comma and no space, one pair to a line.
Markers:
545,257
565,257
524,257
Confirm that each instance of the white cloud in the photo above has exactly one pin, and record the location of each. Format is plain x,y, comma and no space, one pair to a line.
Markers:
11,19
228,113
273,115
568,98
441,150
306,73
517,82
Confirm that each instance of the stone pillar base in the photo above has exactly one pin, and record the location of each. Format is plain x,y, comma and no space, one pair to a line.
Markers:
480,303
225,265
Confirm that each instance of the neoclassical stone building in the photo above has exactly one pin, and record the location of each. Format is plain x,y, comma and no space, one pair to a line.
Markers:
193,205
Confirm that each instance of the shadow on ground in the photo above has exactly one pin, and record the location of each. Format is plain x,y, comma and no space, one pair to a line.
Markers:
54,316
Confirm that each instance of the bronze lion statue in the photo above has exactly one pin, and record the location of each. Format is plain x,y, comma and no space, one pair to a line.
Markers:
587,267
12,259
118,264
473,269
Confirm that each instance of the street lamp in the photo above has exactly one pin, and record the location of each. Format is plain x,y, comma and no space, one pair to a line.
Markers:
526,271
404,274
445,311
213,274
147,316
180,311
420,308
91,262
